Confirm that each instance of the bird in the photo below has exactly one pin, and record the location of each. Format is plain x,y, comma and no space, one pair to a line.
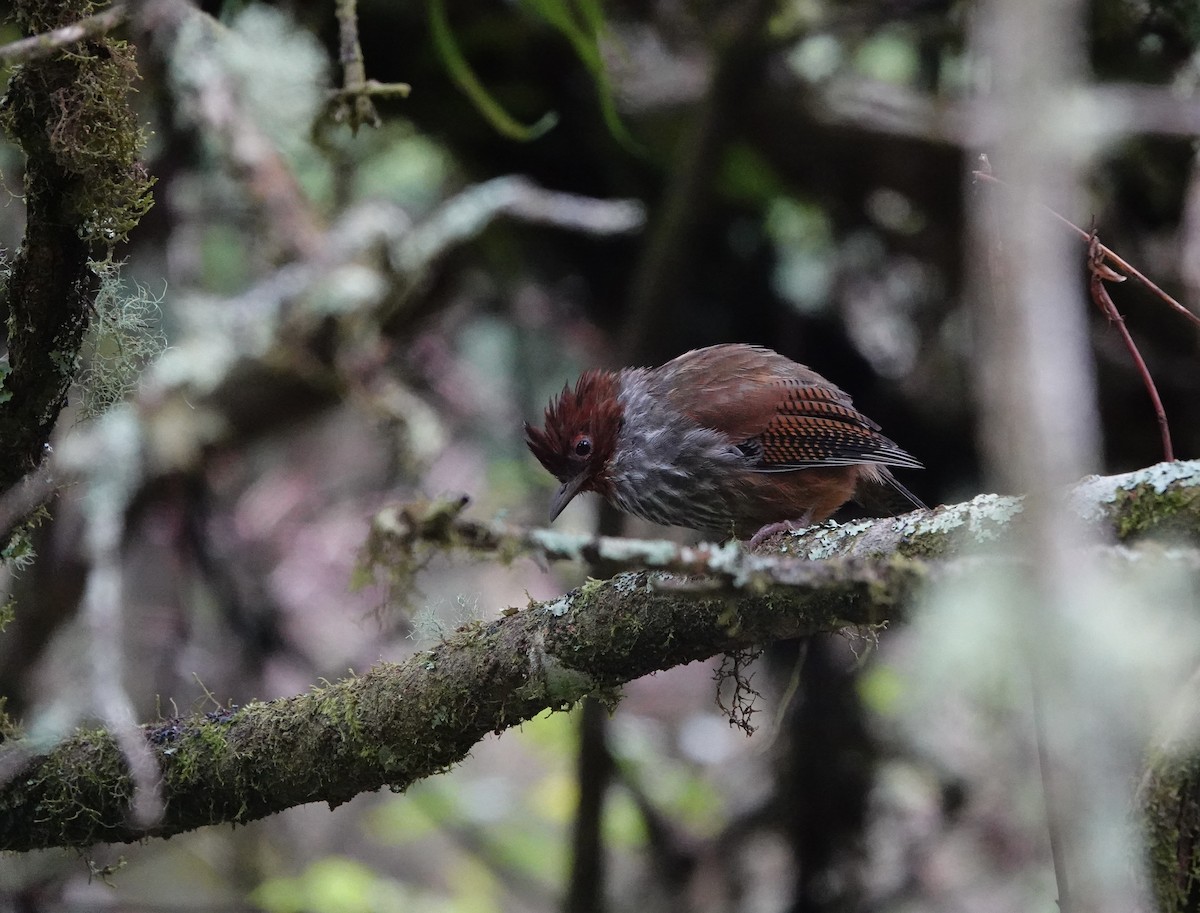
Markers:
729,438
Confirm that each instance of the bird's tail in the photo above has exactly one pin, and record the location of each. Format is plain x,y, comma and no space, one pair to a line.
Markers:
887,499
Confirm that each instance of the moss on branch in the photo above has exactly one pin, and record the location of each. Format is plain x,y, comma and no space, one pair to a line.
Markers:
399,723
1161,501
84,190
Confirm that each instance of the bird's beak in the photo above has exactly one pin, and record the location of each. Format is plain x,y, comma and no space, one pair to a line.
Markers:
565,493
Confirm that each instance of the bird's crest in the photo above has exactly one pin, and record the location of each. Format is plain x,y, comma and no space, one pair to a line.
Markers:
581,427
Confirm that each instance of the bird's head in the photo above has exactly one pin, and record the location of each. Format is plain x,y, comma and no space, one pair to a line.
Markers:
580,437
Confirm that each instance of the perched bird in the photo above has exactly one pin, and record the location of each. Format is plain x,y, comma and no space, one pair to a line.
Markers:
728,438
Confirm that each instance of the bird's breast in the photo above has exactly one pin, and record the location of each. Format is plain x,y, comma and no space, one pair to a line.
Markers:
667,468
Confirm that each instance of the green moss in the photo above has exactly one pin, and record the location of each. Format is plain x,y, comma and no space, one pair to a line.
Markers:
1170,512
19,552
84,190
84,780
44,15
1171,817
74,110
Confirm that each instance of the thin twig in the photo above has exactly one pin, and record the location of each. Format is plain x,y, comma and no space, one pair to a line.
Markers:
1108,253
886,108
1099,273
352,104
404,536
48,43
375,88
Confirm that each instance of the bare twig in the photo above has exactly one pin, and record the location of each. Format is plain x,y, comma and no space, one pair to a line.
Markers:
354,71
1099,274
352,103
1109,254
465,215
404,535
374,88
48,43
468,213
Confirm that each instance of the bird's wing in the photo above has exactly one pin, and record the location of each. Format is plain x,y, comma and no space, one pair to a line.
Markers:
731,388
817,425
780,414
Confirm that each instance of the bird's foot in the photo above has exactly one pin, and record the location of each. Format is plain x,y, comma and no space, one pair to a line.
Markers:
783,526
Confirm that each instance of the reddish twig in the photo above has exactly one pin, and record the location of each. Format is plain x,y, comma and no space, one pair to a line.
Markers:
1100,273
1105,252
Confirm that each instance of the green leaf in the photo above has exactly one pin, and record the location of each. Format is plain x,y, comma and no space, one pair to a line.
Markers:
465,78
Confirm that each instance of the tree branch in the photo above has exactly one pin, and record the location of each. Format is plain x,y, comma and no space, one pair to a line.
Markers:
83,186
1164,498
352,103
36,47
399,723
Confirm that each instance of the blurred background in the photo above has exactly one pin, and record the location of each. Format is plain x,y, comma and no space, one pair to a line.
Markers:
802,171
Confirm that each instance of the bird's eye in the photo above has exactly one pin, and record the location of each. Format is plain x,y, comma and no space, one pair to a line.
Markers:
583,446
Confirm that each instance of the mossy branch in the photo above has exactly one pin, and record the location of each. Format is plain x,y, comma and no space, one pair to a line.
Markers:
84,189
1163,500
47,44
399,723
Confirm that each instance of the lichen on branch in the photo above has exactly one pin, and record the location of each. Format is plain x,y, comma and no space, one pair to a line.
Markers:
401,722
85,189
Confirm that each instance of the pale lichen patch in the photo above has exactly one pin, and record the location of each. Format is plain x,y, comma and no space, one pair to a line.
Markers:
1162,476
830,539
627,583
982,517
568,545
1087,499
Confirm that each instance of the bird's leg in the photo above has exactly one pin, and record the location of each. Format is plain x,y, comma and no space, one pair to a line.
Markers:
782,526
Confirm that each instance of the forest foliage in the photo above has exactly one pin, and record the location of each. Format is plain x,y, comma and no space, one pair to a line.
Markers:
281,285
